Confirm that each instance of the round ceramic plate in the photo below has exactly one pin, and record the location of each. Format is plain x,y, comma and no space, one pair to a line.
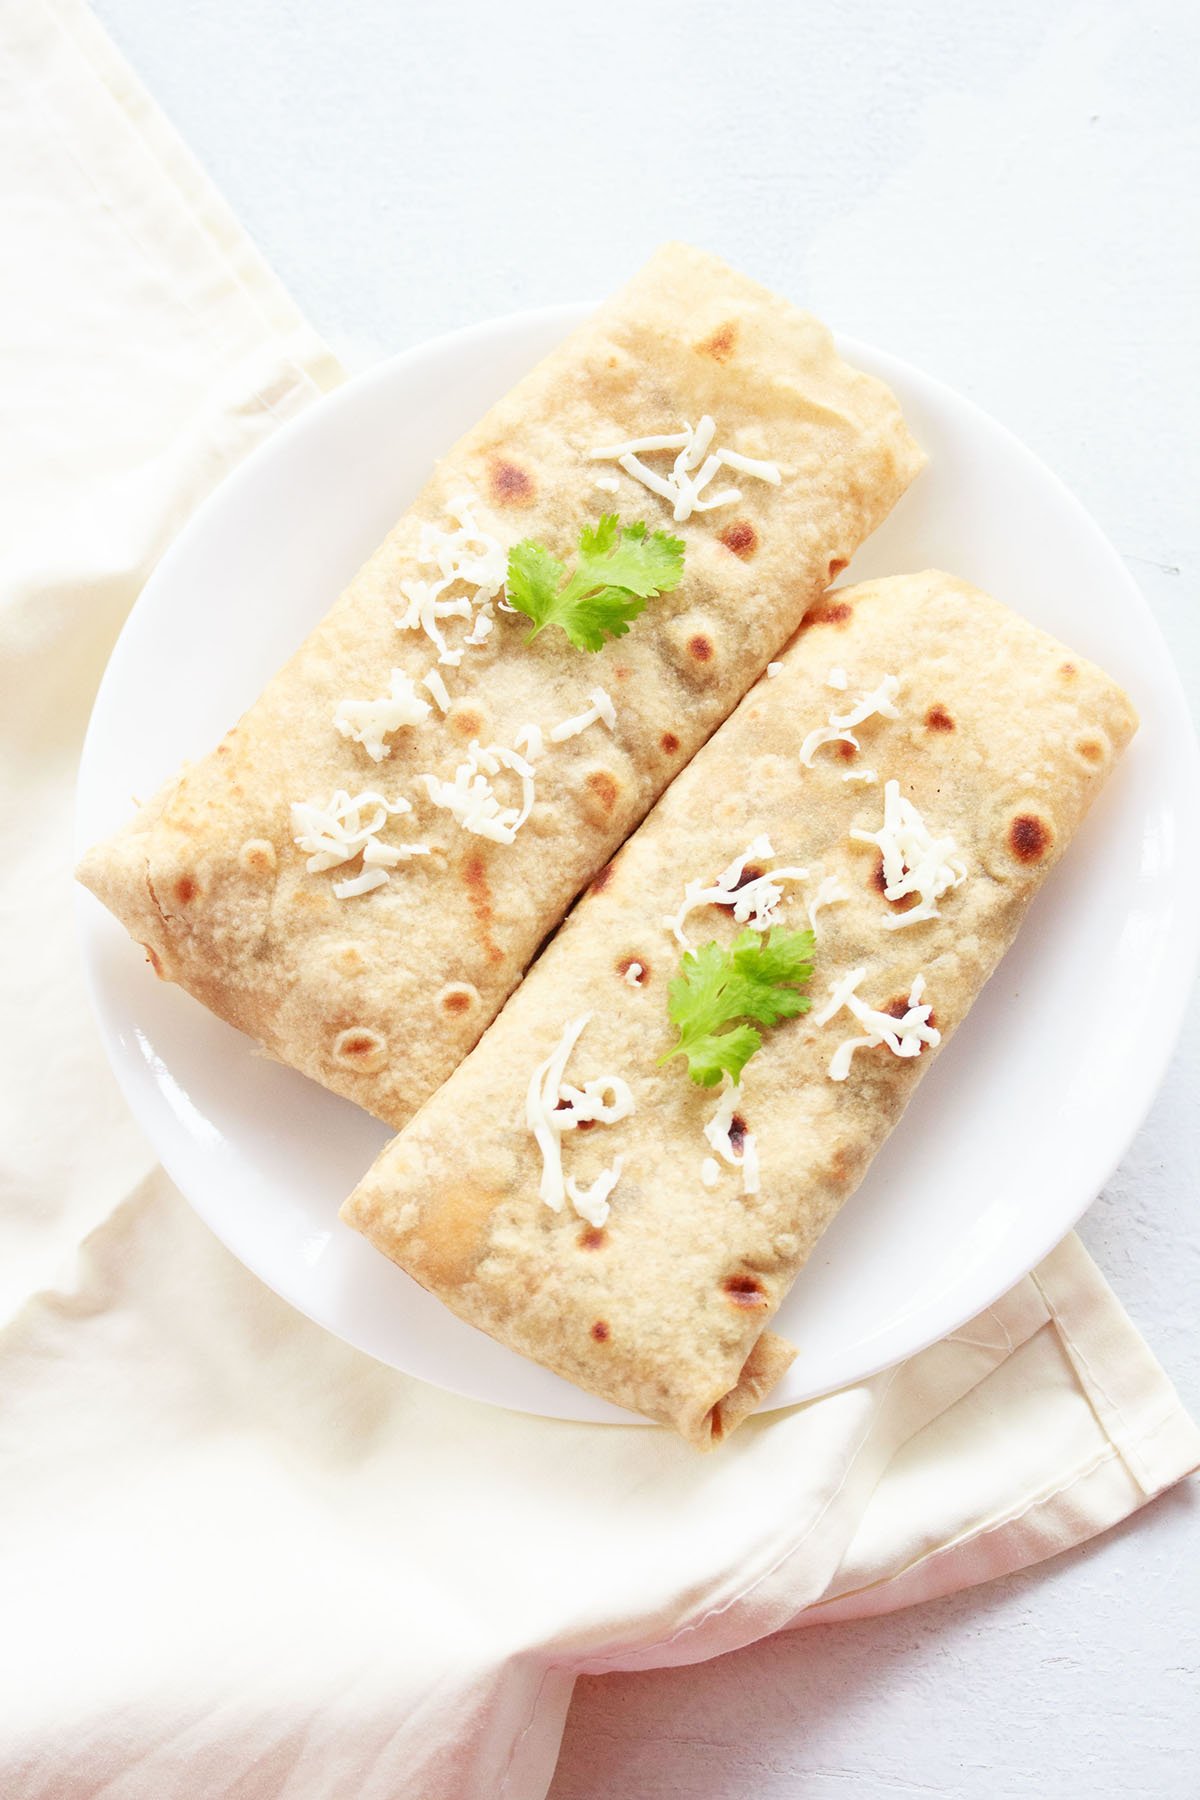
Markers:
1013,1131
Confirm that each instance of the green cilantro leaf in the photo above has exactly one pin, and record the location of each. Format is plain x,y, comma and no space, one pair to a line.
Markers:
756,978
617,569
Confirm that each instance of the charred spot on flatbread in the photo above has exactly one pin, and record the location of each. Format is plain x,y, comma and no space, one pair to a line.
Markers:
467,720
740,539
1030,837
745,1290
721,343
458,998
479,895
510,484
257,857
600,791
360,1049
698,647
1093,749
827,612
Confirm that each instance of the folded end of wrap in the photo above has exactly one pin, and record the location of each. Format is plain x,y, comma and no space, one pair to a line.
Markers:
770,1356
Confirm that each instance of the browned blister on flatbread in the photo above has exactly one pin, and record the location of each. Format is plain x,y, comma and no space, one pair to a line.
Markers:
1001,740
379,995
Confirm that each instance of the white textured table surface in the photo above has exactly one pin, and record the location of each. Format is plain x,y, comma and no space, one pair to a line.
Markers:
1003,196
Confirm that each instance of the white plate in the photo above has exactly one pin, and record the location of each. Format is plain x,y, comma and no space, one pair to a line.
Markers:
1012,1133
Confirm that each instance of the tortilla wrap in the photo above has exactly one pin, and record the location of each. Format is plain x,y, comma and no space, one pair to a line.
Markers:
1001,741
379,995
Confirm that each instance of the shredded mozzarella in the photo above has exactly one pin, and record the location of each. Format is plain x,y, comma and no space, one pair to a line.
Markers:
591,1203
717,1128
837,678
437,688
717,1133
633,975
601,707
755,903
530,742
774,669
371,722
471,799
867,775
839,729
346,828
710,1171
608,484
339,832
914,861
829,893
683,488
466,557
360,884
905,1036
553,1106
481,629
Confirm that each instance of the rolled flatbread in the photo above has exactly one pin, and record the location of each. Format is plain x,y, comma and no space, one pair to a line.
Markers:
379,991
903,782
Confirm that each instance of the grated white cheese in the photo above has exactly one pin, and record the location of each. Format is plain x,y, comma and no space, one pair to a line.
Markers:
481,629
466,557
683,488
530,742
591,1203
717,1133
437,688
755,903
829,893
608,484
774,669
601,707
880,700
349,827
914,861
370,722
471,799
710,1171
633,974
867,775
360,884
837,678
604,1100
906,1036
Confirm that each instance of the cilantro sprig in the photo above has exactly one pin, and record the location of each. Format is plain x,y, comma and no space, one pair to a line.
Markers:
756,978
617,569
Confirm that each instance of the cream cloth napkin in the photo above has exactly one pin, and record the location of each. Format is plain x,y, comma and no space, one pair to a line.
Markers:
236,1557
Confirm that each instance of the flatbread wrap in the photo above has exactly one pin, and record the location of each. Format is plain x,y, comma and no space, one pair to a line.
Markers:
361,870
901,783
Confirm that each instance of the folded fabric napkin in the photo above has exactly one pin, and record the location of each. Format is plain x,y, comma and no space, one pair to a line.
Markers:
238,1557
